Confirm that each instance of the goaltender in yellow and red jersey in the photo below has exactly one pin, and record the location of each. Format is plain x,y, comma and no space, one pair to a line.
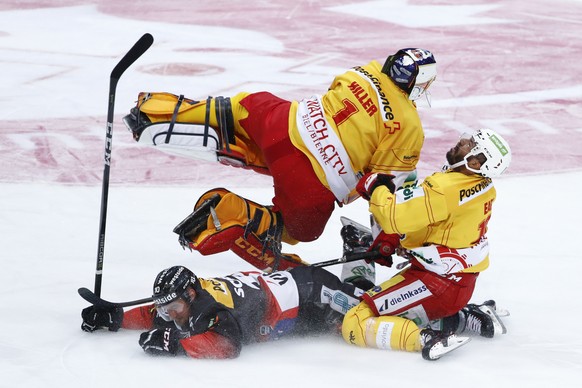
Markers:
315,149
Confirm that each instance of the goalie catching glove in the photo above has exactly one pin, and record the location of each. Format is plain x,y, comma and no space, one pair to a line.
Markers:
222,220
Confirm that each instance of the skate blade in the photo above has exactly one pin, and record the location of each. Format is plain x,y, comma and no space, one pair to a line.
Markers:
498,326
441,348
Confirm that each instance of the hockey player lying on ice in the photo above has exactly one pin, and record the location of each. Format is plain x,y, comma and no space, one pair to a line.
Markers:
315,149
214,317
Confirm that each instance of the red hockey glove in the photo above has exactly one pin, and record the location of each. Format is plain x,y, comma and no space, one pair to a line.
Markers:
385,245
369,182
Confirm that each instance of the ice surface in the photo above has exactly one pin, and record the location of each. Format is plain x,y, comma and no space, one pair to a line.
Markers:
55,61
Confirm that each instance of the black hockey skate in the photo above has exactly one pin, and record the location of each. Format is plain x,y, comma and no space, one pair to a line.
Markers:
436,343
482,319
357,239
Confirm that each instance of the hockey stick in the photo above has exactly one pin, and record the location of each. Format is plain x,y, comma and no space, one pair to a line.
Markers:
95,300
132,55
348,258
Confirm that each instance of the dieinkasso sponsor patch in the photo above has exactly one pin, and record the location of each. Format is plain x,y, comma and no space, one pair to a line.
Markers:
402,297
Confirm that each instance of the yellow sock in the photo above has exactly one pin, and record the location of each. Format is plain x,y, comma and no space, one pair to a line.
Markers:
362,328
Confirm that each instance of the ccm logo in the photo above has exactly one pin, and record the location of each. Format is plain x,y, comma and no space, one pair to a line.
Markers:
253,251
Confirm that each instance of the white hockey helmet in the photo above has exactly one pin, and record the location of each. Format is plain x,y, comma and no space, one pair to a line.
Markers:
493,147
412,69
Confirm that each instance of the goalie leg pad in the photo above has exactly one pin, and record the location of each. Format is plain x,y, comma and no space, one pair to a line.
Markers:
232,210
186,140
154,108
184,127
362,328
253,250
250,230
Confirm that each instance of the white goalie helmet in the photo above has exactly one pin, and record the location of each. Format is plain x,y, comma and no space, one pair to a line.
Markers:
493,147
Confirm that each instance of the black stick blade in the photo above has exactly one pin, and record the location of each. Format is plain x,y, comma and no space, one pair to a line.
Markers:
140,47
92,298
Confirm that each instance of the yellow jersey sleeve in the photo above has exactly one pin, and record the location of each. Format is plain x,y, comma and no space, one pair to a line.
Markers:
409,209
450,209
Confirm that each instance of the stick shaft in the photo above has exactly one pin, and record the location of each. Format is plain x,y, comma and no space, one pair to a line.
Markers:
347,259
128,59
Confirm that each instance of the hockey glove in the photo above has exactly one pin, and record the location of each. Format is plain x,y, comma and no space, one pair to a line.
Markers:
385,245
162,342
369,182
95,318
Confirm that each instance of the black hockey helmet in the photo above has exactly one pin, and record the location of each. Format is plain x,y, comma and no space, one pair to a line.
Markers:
412,69
172,284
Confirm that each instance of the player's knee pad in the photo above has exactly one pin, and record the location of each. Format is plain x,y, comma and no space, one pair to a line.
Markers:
354,324
362,328
222,220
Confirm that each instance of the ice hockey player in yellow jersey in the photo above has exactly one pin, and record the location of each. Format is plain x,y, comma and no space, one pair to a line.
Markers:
315,149
442,226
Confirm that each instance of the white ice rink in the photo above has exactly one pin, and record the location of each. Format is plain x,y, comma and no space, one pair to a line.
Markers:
54,68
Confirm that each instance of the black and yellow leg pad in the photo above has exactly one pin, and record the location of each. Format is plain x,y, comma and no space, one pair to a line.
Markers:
222,220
